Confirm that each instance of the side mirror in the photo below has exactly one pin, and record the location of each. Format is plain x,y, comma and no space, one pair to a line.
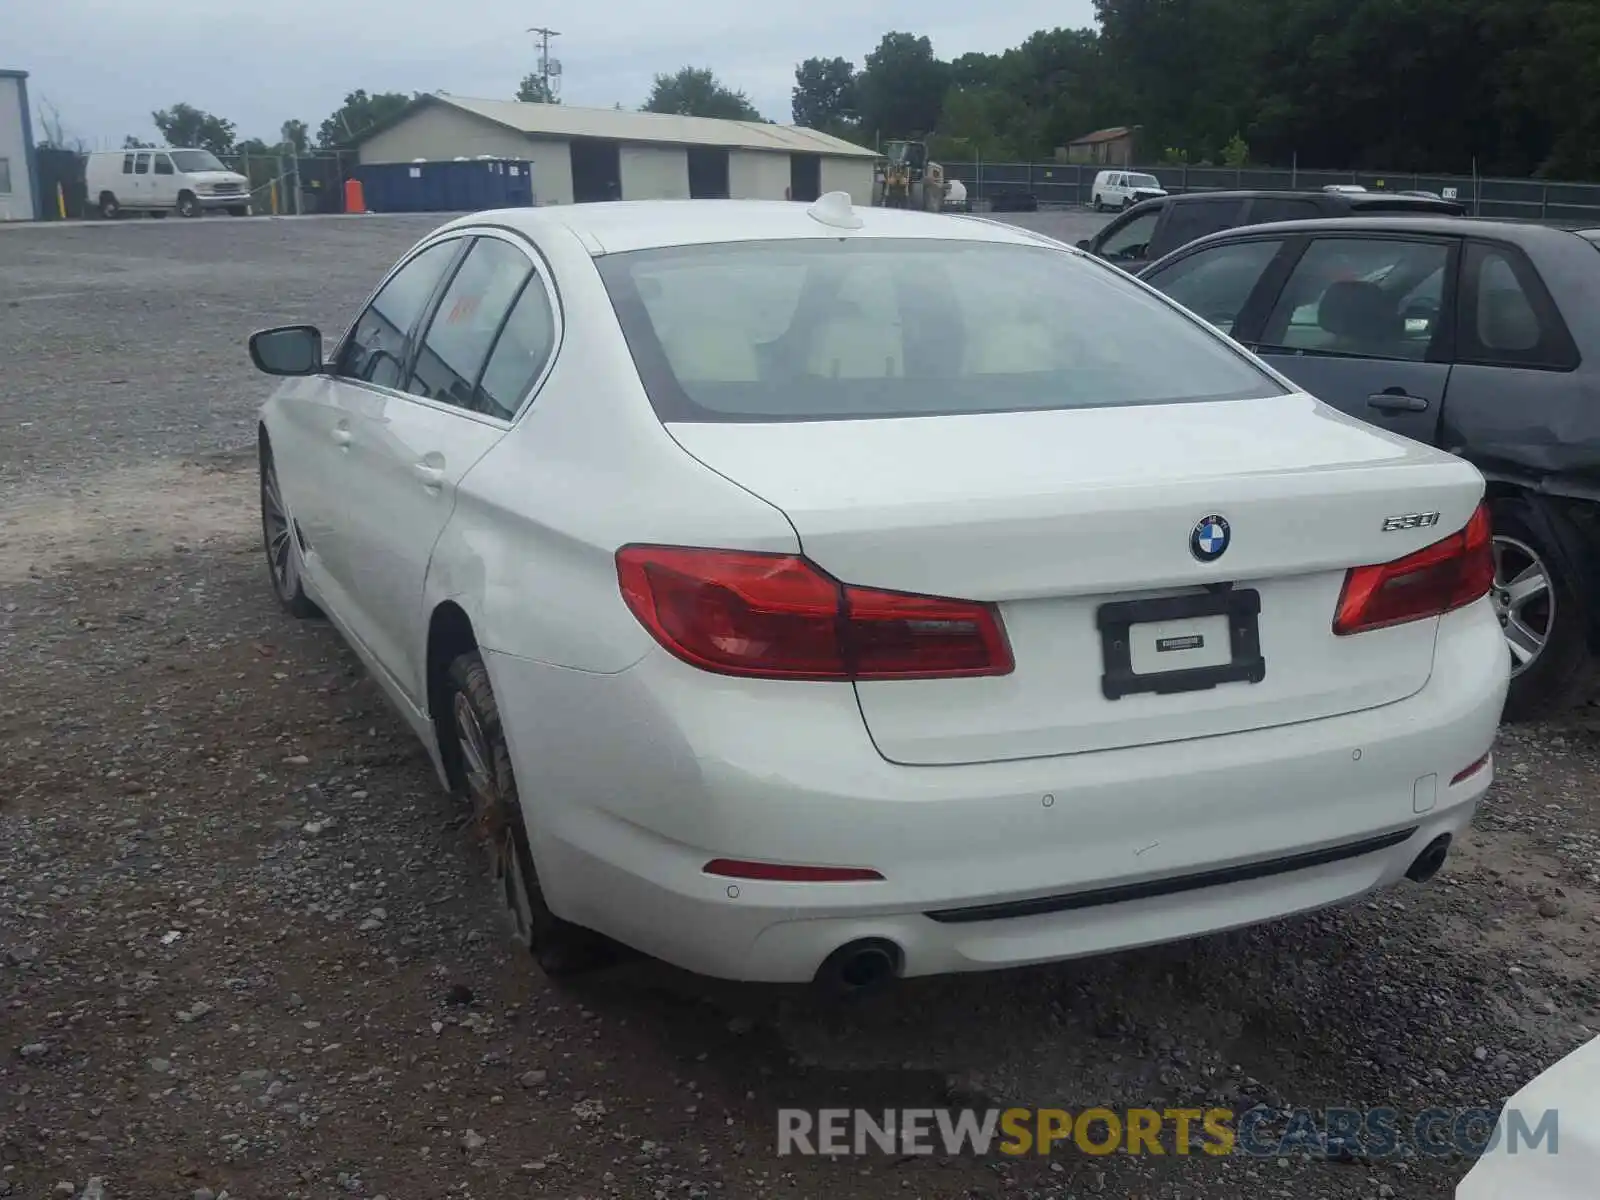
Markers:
1083,244
287,350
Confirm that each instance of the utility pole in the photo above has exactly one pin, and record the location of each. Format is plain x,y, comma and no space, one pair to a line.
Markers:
544,58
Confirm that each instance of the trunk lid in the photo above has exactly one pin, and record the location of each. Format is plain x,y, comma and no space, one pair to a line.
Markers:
1052,515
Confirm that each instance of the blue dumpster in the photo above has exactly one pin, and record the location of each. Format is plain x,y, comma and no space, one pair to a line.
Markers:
459,185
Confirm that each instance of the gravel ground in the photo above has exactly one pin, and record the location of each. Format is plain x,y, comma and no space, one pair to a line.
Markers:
245,946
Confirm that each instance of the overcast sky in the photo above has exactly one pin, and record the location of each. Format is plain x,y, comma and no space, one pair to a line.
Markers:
104,65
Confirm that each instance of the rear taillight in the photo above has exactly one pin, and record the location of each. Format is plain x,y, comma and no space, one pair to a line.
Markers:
779,616
1447,575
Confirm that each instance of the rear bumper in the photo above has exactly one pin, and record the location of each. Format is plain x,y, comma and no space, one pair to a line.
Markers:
634,781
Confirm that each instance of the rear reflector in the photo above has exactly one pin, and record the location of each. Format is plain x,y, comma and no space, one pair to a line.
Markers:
788,873
779,616
1469,772
1437,579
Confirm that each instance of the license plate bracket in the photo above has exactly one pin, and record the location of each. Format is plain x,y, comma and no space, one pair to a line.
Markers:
1241,607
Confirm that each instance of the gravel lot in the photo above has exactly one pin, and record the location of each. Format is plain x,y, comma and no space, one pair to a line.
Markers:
245,946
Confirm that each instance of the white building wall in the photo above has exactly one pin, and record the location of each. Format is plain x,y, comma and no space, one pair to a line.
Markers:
552,169
853,175
757,175
441,133
16,179
654,172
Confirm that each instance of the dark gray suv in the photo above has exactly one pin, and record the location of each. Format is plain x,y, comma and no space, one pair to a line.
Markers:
1154,228
1477,336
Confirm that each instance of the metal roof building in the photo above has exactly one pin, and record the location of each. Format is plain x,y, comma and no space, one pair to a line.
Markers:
19,171
586,154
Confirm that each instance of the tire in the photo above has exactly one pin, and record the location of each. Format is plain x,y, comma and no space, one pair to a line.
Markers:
1551,622
238,210
158,214
281,546
188,206
484,778
110,210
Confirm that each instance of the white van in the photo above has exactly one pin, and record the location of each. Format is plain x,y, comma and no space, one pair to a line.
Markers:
1122,189
189,182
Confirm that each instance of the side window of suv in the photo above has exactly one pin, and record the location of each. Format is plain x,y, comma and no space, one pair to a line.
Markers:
456,346
1131,242
1266,209
1508,319
1215,283
1191,220
1363,297
375,351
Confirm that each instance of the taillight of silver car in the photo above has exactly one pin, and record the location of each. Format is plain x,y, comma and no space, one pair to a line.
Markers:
1430,582
780,616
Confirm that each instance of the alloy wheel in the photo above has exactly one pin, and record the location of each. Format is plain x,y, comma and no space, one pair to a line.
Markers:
495,820
1523,599
281,560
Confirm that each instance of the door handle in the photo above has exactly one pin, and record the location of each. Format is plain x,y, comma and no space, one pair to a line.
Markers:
1397,402
432,477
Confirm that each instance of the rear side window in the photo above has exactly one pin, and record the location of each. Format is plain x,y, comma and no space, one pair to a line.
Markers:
519,356
1507,318
141,164
127,164
833,330
1189,220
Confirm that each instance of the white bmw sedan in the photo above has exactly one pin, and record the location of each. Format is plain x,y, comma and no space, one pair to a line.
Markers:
802,592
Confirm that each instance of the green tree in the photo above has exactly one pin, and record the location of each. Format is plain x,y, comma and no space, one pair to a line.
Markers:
534,90
1396,85
296,135
900,92
696,92
186,126
824,95
359,113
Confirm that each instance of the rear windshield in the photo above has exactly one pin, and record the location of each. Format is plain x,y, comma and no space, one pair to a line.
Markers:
835,329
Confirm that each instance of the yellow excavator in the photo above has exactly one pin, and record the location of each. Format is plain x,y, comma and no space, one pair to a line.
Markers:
904,178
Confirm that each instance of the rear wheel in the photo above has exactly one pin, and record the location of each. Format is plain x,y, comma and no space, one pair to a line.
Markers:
485,778
1544,612
109,208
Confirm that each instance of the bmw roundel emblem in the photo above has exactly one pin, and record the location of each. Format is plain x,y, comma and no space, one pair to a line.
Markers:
1210,538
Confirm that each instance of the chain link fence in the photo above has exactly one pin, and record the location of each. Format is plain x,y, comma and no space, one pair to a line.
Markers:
294,185
1067,185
